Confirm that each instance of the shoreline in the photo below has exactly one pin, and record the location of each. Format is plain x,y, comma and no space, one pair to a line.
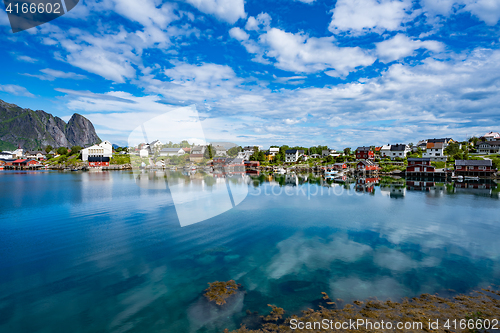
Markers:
461,313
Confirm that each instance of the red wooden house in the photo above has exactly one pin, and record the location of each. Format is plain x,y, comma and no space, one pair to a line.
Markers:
364,153
24,163
339,166
419,165
474,168
367,165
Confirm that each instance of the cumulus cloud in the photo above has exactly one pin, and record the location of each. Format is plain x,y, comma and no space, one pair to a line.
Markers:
146,12
229,11
359,16
261,22
212,74
401,46
485,10
238,34
302,54
15,90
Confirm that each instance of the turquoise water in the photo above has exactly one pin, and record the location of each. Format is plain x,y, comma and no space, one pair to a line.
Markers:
95,252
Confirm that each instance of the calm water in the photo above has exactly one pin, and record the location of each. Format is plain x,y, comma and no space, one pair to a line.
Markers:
96,252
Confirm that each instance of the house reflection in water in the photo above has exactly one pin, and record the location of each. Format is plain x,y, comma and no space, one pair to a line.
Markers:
291,180
475,187
395,189
364,184
414,185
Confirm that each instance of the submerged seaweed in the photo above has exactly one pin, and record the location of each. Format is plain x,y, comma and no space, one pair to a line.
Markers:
218,292
474,308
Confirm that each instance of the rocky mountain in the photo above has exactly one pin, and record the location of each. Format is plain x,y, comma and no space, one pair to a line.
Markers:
34,130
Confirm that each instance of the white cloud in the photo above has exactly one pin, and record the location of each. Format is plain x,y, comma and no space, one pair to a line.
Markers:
306,1
146,12
238,34
404,104
438,7
15,90
485,10
400,46
261,22
229,11
358,16
211,74
52,74
26,59
302,54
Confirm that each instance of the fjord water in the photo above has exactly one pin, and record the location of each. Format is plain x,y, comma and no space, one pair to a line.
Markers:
95,252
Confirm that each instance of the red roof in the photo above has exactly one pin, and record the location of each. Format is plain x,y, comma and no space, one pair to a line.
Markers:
19,161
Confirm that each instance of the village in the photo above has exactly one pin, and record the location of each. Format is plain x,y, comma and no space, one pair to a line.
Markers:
427,160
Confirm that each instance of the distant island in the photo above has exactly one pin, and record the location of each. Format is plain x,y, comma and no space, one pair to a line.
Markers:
35,130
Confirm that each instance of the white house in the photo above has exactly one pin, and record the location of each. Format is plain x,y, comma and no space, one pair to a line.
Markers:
422,144
273,151
5,155
292,155
36,155
435,149
104,149
220,150
492,136
489,147
172,152
143,153
156,144
394,151
329,152
250,149
385,151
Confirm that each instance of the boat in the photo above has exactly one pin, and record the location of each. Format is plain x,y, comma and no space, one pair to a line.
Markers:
173,168
471,178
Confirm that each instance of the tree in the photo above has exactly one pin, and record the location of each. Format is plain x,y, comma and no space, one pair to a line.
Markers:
62,151
347,151
75,150
234,151
474,140
48,149
209,152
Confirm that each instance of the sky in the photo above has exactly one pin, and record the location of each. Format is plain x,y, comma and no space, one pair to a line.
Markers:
340,73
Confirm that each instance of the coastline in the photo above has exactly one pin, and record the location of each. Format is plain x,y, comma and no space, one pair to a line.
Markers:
462,313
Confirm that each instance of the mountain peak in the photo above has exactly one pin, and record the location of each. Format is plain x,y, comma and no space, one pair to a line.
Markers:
33,130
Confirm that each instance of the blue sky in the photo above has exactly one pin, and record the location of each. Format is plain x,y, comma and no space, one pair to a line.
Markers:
341,73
